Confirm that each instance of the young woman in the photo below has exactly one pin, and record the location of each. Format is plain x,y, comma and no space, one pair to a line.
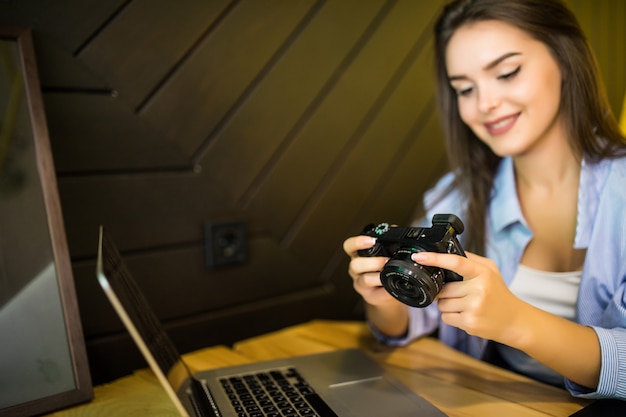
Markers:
538,176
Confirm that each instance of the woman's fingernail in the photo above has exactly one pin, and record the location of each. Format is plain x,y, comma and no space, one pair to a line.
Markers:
418,257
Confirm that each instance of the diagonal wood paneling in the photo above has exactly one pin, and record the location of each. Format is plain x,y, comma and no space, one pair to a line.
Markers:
101,134
226,63
380,97
140,47
295,95
305,119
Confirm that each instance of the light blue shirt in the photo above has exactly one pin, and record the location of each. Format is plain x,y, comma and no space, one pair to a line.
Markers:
600,228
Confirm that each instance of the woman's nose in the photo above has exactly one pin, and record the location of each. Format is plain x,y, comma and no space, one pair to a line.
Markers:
488,100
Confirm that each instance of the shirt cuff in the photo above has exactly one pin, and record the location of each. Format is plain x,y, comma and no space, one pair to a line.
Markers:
612,383
389,340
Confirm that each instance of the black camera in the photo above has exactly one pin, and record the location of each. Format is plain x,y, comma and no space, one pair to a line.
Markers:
409,282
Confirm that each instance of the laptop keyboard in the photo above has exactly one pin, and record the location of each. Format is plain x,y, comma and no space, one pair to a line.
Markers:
275,393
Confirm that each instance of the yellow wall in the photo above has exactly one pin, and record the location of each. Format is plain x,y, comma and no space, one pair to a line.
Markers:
604,23
622,122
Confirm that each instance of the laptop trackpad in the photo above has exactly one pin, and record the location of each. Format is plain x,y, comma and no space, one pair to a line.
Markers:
379,397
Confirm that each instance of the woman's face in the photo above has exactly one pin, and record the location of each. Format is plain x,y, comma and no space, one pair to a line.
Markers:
508,86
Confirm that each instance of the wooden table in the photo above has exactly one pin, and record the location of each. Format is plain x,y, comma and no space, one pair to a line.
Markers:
456,383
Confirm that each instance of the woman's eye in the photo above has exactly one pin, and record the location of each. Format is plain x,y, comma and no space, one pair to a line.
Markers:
511,74
461,92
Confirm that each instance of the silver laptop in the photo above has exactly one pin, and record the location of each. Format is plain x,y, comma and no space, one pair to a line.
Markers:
339,384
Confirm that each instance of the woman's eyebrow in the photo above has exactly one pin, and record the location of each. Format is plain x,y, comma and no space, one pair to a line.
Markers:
489,66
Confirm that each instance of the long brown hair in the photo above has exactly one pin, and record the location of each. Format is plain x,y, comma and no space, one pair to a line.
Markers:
591,126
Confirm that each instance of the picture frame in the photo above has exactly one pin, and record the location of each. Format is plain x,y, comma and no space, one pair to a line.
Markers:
43,359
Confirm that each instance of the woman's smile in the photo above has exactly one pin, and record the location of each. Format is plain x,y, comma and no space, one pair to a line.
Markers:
501,125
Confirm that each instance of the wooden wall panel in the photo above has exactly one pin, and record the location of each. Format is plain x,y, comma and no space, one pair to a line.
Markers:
145,41
218,75
61,28
368,93
241,152
107,136
304,119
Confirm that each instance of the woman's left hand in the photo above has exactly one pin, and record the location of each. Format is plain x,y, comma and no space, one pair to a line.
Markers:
481,304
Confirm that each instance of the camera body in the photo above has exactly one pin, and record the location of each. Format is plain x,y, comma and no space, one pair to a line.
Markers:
409,282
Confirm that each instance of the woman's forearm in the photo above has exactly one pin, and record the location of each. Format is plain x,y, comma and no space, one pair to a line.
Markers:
569,348
391,319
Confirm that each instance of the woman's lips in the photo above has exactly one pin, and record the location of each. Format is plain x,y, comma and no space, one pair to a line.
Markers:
501,125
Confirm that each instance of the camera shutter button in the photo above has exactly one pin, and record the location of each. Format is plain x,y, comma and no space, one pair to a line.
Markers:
451,248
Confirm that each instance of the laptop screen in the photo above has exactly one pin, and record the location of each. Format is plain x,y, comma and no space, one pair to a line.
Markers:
138,317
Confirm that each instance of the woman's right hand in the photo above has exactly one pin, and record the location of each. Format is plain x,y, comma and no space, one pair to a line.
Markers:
384,312
365,271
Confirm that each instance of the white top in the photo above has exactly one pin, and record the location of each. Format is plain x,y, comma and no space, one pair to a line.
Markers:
554,292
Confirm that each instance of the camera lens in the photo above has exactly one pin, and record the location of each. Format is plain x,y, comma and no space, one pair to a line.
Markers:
409,282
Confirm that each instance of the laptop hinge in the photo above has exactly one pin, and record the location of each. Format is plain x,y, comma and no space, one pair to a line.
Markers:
202,399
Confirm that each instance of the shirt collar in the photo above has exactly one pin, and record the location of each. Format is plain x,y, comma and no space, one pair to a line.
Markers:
592,178
504,197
